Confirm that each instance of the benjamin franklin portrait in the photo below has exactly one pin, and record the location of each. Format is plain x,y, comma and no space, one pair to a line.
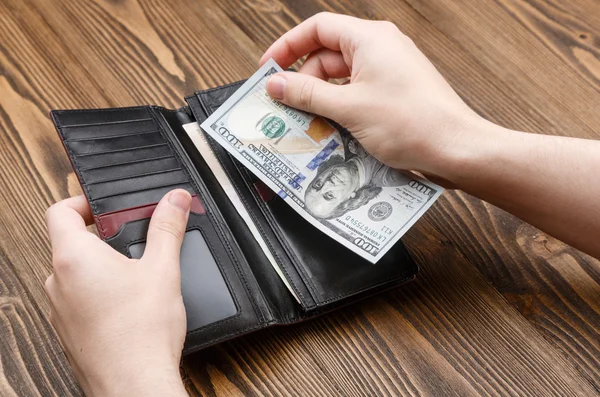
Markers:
343,184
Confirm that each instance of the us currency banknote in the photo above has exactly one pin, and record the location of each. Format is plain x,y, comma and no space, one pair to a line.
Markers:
320,171
199,140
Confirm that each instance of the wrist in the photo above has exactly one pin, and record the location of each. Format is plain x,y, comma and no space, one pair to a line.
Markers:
471,147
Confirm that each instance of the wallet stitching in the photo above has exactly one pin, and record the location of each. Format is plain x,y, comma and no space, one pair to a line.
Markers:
218,228
259,226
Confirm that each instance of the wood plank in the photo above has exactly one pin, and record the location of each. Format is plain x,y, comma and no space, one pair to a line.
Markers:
569,29
521,60
530,269
31,360
499,308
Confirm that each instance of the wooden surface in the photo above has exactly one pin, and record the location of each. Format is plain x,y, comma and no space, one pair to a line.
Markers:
499,307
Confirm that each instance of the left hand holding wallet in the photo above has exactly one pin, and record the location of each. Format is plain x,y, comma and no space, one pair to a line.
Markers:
121,321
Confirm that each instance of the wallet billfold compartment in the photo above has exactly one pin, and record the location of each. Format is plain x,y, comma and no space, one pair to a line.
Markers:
127,159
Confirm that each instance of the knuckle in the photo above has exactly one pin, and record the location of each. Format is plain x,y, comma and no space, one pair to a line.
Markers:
408,39
388,26
323,15
305,97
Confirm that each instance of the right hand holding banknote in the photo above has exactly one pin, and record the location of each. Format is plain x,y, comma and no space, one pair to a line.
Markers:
396,104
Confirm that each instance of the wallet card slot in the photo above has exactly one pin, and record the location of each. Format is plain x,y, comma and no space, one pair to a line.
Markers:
106,123
111,222
129,142
129,170
125,163
90,117
101,160
81,132
137,198
127,150
136,184
112,178
122,135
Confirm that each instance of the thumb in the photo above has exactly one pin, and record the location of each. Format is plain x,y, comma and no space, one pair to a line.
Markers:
167,227
306,92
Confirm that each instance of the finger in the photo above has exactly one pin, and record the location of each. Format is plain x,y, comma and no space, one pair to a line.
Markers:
167,227
307,93
325,64
66,216
332,31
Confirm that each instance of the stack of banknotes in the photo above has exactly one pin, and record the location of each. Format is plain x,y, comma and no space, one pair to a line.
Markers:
321,171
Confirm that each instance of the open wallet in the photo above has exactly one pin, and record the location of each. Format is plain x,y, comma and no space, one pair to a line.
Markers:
127,159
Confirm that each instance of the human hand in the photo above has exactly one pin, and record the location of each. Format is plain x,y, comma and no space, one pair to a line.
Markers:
121,321
396,104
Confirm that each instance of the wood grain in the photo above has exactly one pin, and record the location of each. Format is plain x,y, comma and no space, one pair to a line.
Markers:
499,307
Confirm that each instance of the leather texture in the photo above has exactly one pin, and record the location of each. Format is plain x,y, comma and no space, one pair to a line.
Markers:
126,159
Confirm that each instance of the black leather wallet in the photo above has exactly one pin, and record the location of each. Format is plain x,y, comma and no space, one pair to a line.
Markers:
126,159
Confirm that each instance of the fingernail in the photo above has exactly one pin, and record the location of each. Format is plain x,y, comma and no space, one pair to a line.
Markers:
181,200
276,86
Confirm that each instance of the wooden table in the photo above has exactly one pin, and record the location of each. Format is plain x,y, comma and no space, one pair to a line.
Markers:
499,308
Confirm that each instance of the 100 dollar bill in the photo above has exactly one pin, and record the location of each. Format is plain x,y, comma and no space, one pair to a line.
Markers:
323,173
